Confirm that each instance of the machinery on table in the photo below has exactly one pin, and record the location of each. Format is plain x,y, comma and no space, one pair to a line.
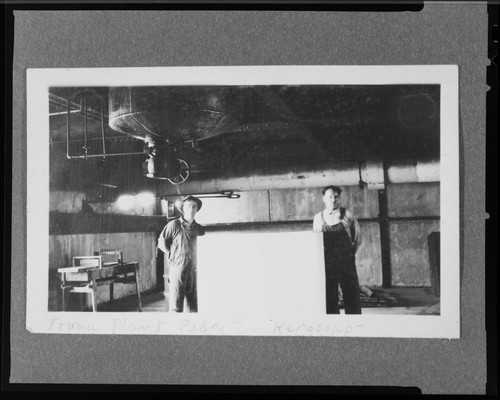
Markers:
105,267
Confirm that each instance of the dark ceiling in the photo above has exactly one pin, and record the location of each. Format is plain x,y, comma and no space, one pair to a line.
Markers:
238,129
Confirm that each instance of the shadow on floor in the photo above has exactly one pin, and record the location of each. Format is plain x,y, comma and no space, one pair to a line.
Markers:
405,301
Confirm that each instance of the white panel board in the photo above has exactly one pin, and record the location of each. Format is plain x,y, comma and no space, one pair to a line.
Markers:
278,273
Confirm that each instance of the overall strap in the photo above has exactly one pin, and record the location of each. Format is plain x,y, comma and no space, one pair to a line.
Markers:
342,212
177,226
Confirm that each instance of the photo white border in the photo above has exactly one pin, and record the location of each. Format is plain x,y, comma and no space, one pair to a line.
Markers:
40,320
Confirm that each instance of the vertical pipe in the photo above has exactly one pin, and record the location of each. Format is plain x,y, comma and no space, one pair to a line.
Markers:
67,130
85,113
269,204
68,141
103,132
157,199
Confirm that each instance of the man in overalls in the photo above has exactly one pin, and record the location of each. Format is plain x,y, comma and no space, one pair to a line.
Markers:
341,241
178,242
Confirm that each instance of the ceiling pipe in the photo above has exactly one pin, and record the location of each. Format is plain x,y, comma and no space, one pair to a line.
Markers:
371,173
413,171
343,174
85,147
63,112
62,103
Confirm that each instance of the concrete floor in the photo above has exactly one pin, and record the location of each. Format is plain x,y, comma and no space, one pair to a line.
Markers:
409,301
395,301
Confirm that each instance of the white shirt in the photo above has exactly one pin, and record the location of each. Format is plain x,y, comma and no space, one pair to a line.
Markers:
349,221
333,217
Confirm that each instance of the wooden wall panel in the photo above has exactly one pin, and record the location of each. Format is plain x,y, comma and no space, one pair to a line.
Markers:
414,199
368,257
410,252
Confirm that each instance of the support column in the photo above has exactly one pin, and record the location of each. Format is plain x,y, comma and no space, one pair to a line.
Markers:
160,260
385,240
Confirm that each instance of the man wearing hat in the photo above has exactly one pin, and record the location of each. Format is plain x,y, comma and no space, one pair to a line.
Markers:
178,242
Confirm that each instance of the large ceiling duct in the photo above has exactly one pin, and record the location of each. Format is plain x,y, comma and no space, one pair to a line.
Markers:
167,117
170,113
375,174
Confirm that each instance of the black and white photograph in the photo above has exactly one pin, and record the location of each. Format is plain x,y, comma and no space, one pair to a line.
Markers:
269,201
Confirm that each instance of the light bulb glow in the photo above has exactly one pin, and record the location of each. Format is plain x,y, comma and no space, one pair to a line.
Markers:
146,199
125,202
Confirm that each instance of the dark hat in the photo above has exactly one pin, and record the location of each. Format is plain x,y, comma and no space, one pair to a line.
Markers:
335,189
192,198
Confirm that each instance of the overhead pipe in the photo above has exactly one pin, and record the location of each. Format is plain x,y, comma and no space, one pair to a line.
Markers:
370,172
103,136
229,194
103,131
85,146
416,170
60,102
113,138
63,112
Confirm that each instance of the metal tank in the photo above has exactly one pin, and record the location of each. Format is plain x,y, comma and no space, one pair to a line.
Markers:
166,117
175,114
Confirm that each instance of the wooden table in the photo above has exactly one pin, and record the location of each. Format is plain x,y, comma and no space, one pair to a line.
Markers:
87,279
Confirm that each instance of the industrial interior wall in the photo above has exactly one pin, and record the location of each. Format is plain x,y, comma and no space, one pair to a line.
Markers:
136,246
410,264
408,238
303,204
